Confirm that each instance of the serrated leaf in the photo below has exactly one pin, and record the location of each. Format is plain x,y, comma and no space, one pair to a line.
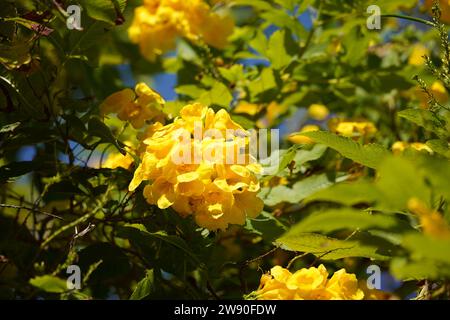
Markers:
426,119
368,155
328,248
347,193
347,219
300,190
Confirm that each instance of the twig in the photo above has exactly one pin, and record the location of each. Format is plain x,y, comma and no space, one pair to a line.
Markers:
3,205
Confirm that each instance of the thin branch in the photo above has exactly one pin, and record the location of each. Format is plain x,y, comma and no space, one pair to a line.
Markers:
401,16
3,205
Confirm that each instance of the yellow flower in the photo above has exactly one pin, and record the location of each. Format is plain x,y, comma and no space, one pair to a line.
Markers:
116,159
439,92
158,23
308,284
299,139
417,54
432,222
318,112
437,89
136,107
399,146
374,294
248,108
352,129
273,112
344,286
211,176
445,8
275,181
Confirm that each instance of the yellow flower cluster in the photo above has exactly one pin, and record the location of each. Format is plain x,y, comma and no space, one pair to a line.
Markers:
209,176
399,146
158,23
308,284
136,106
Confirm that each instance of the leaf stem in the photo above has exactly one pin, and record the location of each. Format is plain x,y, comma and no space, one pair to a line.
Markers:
404,17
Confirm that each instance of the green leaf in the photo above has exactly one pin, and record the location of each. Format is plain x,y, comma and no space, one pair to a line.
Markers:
145,287
300,190
267,226
15,55
190,90
265,82
97,128
423,247
257,4
219,95
400,180
174,241
347,219
368,155
307,154
426,119
49,283
328,248
347,193
277,52
109,11
405,269
439,146
286,158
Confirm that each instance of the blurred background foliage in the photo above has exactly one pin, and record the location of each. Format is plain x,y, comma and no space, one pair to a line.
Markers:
345,200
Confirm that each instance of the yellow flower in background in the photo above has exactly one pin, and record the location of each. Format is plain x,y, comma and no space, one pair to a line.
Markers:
136,106
273,112
352,129
417,55
116,159
247,108
275,181
318,112
158,23
445,8
437,89
399,146
217,189
432,222
374,294
299,139
308,284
